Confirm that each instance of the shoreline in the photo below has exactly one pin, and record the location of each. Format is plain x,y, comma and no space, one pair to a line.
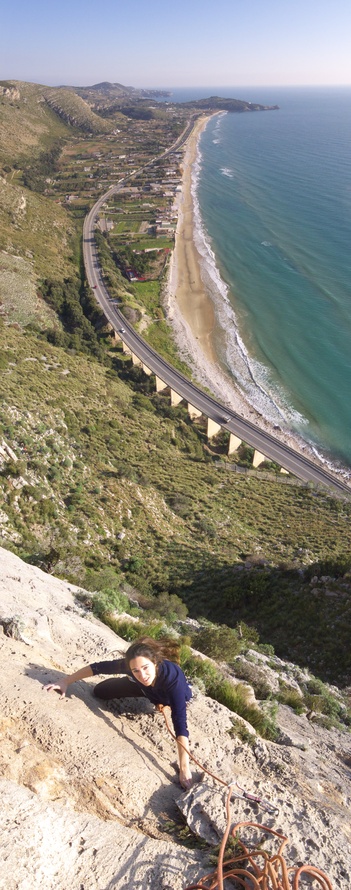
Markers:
191,312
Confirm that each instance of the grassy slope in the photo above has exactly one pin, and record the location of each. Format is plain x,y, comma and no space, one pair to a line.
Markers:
107,476
28,125
37,237
73,108
34,228
36,119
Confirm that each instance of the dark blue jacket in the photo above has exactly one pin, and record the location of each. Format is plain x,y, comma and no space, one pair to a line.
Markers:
170,688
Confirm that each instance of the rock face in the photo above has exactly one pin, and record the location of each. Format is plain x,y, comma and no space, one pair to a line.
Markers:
93,790
10,92
74,110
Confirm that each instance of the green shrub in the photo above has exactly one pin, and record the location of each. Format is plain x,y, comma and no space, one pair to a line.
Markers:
134,564
102,578
206,527
14,468
242,732
218,642
169,606
143,403
292,698
109,601
320,699
314,686
181,504
222,690
132,630
266,649
253,675
248,633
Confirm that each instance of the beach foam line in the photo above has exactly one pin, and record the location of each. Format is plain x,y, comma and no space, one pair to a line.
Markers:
248,373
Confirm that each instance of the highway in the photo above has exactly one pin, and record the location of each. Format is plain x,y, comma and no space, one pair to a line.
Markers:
282,454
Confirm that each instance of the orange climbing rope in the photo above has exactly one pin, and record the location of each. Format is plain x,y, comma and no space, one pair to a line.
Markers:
272,874
244,794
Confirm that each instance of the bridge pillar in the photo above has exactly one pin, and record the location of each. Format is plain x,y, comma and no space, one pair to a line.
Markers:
146,370
175,398
283,470
125,348
160,384
258,459
193,412
234,443
212,428
135,359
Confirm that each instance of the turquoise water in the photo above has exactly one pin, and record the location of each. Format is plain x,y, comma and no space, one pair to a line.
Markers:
273,194
274,218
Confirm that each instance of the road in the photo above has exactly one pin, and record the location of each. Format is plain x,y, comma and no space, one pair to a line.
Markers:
286,457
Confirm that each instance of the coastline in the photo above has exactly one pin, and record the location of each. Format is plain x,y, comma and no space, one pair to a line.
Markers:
192,315
188,300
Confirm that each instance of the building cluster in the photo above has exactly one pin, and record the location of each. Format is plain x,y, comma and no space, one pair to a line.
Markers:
146,206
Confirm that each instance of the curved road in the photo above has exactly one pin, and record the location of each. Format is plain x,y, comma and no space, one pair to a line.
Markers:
262,441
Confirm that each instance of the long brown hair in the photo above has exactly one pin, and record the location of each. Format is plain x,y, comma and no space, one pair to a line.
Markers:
154,650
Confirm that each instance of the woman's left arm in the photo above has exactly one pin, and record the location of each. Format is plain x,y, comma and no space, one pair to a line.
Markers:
182,741
177,695
185,777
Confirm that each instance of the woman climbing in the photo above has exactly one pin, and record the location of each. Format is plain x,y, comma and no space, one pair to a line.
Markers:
151,670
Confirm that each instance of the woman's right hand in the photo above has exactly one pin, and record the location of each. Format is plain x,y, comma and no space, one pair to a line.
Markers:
57,687
185,778
62,686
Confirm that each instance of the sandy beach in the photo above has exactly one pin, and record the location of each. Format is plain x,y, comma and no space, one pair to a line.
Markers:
191,312
190,308
186,285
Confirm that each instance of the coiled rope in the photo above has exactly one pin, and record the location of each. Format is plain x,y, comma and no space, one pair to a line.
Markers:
273,873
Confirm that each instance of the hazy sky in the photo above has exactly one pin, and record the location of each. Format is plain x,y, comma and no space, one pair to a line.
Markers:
180,43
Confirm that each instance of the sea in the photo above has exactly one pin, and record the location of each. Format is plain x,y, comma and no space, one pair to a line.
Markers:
272,193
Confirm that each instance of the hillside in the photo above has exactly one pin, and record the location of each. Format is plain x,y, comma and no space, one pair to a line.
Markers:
28,125
98,93
95,468
75,111
100,471
47,136
37,237
217,103
34,115
39,233
92,790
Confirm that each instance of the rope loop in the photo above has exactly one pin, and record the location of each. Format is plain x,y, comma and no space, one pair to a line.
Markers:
273,873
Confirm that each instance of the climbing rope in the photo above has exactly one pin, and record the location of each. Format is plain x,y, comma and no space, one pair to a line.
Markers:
273,873
244,795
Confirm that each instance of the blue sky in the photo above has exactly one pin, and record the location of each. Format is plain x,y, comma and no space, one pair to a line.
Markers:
184,43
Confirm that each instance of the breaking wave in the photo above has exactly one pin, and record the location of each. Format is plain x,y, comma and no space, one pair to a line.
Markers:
252,377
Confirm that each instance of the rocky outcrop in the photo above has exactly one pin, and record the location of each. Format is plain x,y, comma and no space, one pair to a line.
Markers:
93,790
10,92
